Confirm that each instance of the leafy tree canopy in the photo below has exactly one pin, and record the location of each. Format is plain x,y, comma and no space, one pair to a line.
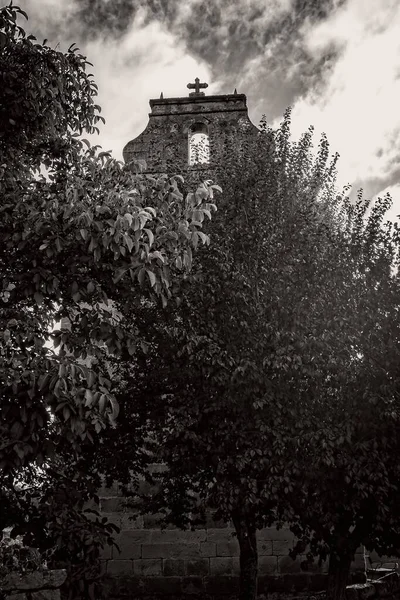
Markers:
273,386
84,241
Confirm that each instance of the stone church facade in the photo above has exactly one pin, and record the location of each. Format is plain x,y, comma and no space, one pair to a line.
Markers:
221,122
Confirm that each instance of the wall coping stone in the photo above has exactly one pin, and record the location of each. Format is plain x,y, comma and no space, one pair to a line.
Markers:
37,580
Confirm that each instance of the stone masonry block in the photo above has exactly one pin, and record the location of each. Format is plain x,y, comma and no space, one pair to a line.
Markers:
112,517
35,580
228,548
129,545
288,565
135,536
271,533
220,535
173,567
46,595
208,549
119,567
200,567
264,547
224,566
113,504
130,520
184,551
281,548
267,565
152,521
175,536
149,567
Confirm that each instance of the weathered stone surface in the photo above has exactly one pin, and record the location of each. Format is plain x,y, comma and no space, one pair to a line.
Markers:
16,596
281,547
208,549
267,565
34,581
166,136
113,517
224,566
152,521
177,536
130,544
271,533
220,535
147,567
113,504
171,551
200,567
119,567
173,567
134,536
46,595
264,547
129,520
228,548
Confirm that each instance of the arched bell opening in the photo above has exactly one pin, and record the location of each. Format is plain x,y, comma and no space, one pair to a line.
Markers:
198,144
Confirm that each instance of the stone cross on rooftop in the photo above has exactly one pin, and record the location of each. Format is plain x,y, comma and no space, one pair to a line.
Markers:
196,87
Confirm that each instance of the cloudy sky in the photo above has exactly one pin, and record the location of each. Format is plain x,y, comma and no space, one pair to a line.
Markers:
336,62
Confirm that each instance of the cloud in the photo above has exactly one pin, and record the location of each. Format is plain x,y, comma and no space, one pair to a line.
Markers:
145,61
129,67
337,62
356,102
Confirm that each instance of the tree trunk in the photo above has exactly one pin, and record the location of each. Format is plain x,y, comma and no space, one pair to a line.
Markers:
338,575
247,537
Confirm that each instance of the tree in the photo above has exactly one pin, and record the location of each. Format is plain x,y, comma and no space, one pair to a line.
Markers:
274,379
351,496
83,241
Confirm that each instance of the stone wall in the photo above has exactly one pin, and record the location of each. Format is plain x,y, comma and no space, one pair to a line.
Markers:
165,139
40,585
206,559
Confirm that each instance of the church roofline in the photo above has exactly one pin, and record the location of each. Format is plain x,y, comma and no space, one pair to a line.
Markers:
197,99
